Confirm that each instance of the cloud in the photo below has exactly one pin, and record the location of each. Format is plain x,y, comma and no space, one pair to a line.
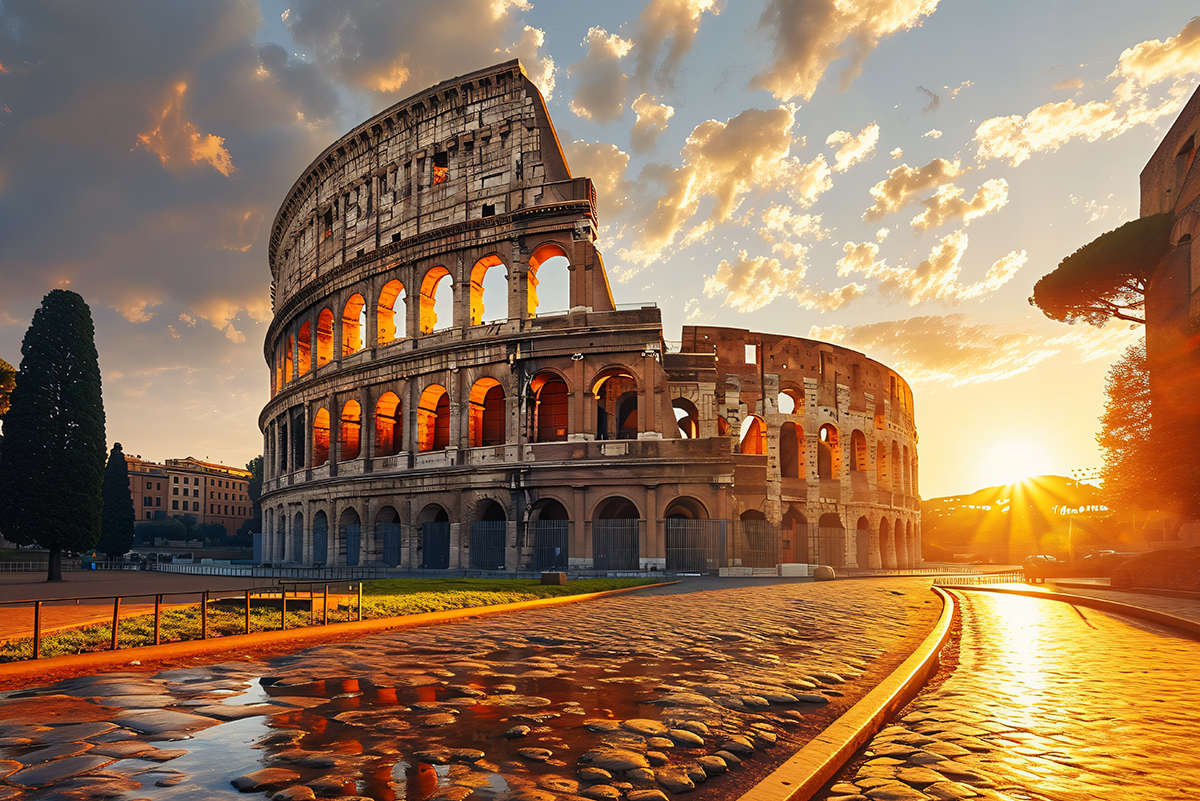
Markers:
853,148
652,118
399,48
932,133
896,153
664,34
1070,83
935,101
600,94
905,183
809,35
723,162
947,204
935,278
1016,138
606,165
178,143
950,349
749,284
539,68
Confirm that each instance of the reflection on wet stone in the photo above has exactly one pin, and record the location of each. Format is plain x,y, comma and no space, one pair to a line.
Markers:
629,697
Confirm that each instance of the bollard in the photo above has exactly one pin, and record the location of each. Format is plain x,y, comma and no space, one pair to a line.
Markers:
116,620
325,607
157,619
37,629
283,608
247,611
204,617
360,602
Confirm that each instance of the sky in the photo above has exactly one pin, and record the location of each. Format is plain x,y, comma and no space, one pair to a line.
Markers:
890,175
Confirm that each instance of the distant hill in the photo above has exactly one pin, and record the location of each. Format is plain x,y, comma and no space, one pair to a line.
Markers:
1004,524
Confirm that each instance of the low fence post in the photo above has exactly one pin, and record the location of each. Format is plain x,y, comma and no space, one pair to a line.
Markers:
325,607
204,617
37,629
116,620
247,611
158,619
360,602
283,608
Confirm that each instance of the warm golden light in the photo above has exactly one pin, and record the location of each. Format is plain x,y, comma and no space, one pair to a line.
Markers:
1009,460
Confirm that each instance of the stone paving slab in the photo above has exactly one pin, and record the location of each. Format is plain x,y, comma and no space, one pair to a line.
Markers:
1047,702
705,689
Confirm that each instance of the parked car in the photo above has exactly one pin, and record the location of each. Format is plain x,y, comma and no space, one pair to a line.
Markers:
1102,563
1039,567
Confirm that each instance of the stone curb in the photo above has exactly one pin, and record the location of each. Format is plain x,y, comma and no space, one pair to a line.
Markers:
1174,621
31,669
812,766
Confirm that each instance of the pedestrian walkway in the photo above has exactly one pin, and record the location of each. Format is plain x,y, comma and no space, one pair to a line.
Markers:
1046,702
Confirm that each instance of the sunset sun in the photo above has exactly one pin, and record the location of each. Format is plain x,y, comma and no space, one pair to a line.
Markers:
1010,460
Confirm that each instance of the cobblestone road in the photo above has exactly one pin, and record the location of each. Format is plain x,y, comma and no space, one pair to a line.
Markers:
700,687
1048,701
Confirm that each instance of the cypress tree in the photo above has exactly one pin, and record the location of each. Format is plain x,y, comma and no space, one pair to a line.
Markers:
116,522
52,455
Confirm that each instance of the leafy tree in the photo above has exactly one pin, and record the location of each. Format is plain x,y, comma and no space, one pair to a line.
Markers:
1107,277
1125,438
147,531
254,490
8,379
116,522
52,455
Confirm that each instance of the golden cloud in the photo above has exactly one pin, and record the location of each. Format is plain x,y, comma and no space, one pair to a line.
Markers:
600,95
853,148
905,183
540,68
947,204
749,284
809,35
665,33
652,118
178,142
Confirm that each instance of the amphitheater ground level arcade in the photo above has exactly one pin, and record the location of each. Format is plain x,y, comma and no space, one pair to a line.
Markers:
602,527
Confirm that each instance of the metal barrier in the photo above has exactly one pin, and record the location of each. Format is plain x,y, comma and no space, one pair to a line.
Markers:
756,543
550,539
435,546
329,572
1008,577
487,544
695,546
616,544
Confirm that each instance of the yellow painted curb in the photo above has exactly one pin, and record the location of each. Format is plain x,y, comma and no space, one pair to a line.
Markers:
816,763
100,660
1104,605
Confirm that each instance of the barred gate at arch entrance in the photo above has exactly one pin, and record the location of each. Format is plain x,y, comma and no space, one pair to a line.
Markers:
695,546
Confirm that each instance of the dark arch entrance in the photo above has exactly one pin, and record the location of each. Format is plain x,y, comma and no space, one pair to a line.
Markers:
549,527
298,538
795,536
320,536
757,540
694,544
350,537
388,533
831,541
862,543
435,538
616,535
488,537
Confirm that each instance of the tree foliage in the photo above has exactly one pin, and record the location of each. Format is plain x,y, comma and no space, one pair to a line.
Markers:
116,523
52,454
254,490
1107,278
1126,433
8,379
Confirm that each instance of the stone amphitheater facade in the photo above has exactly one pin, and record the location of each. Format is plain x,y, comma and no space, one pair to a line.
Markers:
434,406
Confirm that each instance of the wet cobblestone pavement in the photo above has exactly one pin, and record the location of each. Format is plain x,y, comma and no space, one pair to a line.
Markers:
1047,701
638,697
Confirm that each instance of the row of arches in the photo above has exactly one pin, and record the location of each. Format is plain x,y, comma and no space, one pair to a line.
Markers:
895,468
316,341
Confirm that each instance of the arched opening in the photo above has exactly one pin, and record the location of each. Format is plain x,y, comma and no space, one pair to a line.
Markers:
488,536
858,451
616,396
753,436
791,446
795,536
901,537
324,337
687,417
862,543
391,322
277,384
831,541
722,426
912,473
433,419
320,538
829,453
910,556
489,290
435,538
350,538
486,413
897,472
437,299
320,437
298,538
549,283
907,476
616,541
550,408
354,322
549,528
887,545
693,542
287,359
304,351
882,480
756,543
350,432
389,535
389,438
790,401
283,447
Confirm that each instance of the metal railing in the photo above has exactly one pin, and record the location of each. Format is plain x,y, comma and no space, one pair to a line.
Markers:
247,594
328,573
960,580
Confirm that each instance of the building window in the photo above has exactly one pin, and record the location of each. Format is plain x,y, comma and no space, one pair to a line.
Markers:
149,485
145,501
195,506
174,505
157,485
175,479
158,501
174,490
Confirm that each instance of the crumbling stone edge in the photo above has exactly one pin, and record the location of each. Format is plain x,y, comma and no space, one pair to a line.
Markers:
31,669
815,764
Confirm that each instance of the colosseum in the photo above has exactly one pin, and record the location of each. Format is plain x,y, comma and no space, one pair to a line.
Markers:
453,387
